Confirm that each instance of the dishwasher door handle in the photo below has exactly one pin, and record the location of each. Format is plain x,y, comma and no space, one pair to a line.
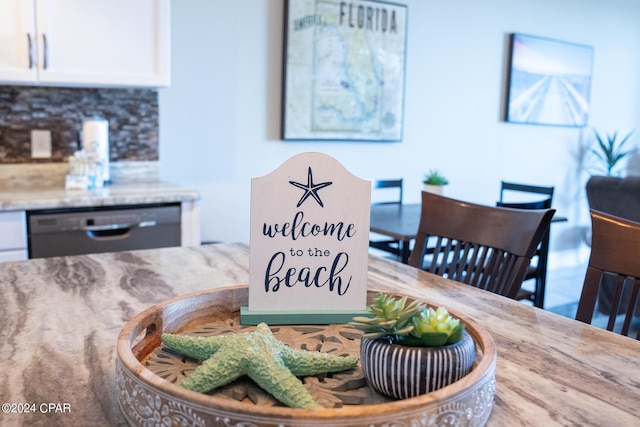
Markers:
114,231
107,227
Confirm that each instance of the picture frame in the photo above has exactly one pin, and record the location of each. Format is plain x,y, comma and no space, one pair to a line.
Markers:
549,81
344,70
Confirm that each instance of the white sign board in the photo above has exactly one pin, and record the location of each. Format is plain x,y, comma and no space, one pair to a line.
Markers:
309,243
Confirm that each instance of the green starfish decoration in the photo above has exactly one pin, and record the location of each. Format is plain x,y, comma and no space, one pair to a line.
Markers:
269,362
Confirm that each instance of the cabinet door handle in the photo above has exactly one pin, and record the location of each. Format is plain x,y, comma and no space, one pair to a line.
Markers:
46,52
30,47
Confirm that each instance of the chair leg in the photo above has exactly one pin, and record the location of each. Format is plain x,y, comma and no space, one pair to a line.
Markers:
540,285
404,252
541,274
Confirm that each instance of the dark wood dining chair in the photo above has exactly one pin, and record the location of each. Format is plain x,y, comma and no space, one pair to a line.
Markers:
483,246
391,191
615,252
619,197
526,196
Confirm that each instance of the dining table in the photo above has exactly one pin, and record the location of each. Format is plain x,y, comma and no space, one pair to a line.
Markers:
398,221
61,318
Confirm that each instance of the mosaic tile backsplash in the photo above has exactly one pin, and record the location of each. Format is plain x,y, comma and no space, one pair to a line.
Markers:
132,116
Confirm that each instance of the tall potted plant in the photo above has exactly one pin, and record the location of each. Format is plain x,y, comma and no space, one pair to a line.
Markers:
610,151
435,182
409,350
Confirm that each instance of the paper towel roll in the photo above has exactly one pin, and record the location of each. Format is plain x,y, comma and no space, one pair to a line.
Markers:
95,141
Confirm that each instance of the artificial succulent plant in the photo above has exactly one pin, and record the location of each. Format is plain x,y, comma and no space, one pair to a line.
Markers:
413,325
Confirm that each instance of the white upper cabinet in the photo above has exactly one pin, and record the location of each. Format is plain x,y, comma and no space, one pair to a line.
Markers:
17,41
116,43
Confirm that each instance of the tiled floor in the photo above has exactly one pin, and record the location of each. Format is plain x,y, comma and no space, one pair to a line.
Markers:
564,285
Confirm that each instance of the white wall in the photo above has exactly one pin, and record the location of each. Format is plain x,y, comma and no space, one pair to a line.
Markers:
220,120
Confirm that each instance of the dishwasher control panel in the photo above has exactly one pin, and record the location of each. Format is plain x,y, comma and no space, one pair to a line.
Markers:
52,223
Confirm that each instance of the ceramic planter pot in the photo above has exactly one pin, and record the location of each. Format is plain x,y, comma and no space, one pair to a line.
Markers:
435,189
402,372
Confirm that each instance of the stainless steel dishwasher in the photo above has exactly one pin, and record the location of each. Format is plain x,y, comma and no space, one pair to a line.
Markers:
80,231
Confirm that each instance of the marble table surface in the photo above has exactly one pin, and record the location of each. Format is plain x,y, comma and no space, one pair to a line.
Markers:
110,195
61,318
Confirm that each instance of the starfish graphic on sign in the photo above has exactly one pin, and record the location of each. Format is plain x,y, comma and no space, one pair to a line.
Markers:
310,189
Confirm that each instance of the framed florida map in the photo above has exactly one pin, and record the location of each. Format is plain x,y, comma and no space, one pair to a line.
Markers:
344,67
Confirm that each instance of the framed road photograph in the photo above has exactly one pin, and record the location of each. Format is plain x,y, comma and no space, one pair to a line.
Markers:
344,72
549,82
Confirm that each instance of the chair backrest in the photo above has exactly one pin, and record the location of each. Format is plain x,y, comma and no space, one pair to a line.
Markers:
542,204
615,251
511,187
388,184
483,246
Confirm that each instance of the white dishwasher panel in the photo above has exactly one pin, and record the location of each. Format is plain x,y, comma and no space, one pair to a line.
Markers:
13,230
16,255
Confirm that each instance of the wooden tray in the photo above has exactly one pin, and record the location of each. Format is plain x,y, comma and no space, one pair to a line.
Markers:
146,374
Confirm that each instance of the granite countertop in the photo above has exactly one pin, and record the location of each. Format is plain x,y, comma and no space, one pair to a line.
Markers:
109,195
61,318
